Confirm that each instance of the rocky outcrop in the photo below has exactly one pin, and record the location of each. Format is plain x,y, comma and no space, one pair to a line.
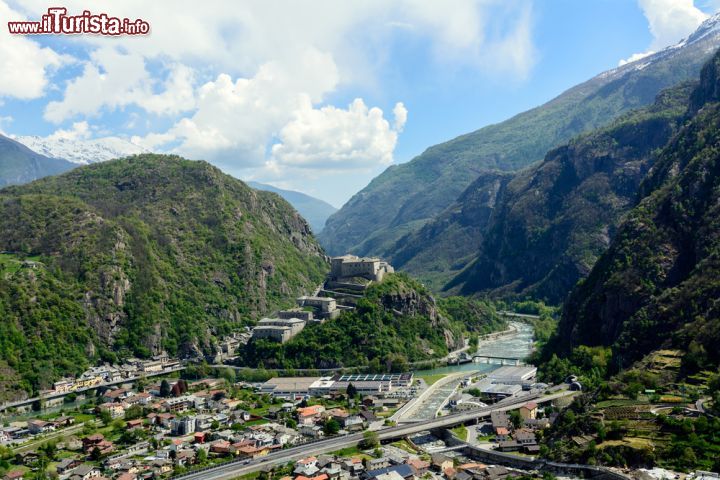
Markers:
445,245
658,284
554,220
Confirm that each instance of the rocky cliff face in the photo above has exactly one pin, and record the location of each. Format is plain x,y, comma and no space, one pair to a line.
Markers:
19,164
443,247
410,300
151,253
554,220
657,285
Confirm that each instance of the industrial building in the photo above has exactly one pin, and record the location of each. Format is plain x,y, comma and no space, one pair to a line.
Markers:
365,384
510,375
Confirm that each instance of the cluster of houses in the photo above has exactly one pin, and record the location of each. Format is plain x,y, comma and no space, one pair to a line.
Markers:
180,420
510,438
130,370
394,464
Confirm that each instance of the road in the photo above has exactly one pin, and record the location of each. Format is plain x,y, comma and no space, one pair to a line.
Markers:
52,396
65,432
432,399
238,468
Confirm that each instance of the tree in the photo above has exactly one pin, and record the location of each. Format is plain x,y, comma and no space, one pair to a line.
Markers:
351,391
141,384
133,412
183,386
201,456
370,439
95,454
475,392
331,427
229,375
164,388
50,450
105,417
516,419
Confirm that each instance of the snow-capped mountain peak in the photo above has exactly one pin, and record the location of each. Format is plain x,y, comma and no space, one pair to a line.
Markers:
81,151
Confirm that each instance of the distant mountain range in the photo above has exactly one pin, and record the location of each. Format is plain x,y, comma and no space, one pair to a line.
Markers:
82,151
19,164
314,210
390,212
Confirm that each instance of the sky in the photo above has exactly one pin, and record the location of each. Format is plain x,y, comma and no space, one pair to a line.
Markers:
316,96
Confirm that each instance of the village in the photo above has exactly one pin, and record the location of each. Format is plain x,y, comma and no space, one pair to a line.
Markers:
168,427
155,418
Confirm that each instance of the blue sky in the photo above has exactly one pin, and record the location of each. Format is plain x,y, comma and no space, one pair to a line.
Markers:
317,96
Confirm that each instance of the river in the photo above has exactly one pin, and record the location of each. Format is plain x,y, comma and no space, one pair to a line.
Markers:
518,345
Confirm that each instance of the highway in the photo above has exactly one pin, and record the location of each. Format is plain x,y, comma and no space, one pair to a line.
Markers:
237,468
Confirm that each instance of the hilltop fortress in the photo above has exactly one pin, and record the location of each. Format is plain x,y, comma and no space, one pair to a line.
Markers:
347,281
348,267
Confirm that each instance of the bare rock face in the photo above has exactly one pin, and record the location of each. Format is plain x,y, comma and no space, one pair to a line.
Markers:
554,220
657,285
411,303
104,305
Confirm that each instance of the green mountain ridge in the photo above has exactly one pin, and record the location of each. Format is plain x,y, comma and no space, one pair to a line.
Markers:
556,218
405,197
397,322
139,255
657,286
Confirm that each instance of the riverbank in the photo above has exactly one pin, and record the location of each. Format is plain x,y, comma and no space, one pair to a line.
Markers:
517,343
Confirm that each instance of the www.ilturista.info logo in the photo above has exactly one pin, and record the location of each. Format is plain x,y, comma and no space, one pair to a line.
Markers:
57,21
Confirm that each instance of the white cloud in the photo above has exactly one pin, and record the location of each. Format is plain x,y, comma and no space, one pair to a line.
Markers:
110,78
634,58
493,36
669,22
24,65
400,113
177,94
236,79
79,131
234,120
113,79
331,139
239,38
